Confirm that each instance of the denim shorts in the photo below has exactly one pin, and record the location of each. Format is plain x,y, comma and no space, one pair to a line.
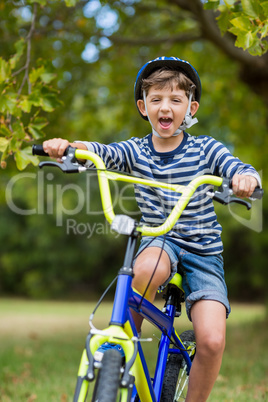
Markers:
202,275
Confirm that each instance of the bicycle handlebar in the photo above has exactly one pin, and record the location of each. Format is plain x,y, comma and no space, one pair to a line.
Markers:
70,165
39,150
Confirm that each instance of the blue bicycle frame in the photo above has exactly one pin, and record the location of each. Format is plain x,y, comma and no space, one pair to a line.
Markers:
126,298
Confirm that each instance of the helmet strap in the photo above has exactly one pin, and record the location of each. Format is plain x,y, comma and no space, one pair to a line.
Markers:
188,120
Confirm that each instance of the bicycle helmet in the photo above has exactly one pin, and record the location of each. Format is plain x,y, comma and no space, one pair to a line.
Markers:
170,62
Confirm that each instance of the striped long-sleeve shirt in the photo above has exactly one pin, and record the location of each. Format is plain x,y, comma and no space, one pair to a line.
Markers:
197,230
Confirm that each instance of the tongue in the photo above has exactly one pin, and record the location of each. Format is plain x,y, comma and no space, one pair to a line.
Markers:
165,122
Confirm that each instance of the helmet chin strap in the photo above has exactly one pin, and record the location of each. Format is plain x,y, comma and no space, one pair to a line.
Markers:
187,122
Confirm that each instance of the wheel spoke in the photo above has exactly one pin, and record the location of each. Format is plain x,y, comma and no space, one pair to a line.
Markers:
182,383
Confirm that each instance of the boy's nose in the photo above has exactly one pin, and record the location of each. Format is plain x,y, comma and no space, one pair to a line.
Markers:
165,106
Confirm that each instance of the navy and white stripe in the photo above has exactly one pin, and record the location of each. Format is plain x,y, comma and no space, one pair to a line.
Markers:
197,230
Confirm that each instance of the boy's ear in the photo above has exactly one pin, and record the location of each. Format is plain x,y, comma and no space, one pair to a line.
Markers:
194,107
141,107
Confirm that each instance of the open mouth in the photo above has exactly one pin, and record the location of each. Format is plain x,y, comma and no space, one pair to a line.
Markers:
165,122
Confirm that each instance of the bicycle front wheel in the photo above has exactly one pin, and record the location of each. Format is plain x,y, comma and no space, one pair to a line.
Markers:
107,384
175,384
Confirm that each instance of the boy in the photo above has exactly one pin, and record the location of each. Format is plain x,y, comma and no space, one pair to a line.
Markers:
167,93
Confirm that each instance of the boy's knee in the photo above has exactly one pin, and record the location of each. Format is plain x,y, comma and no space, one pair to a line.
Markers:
144,269
149,259
211,345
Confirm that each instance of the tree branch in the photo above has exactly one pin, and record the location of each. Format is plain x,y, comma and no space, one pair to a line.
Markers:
28,55
183,37
142,8
210,31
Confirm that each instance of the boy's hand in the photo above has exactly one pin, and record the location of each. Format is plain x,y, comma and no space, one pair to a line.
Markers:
56,147
243,185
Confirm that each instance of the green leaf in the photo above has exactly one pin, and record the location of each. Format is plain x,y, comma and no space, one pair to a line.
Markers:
43,72
35,98
49,102
228,4
5,70
245,40
39,123
8,103
36,134
47,77
5,131
265,9
264,47
3,144
258,48
243,23
35,74
211,4
25,104
251,8
224,20
264,31
35,127
18,130
19,46
14,144
235,31
24,157
237,7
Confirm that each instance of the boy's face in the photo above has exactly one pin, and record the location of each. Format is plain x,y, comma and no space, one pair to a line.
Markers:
166,108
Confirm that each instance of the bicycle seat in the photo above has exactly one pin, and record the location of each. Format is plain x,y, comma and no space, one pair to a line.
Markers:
177,281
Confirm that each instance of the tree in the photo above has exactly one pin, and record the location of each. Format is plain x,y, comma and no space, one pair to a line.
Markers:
26,83
247,20
229,26
67,70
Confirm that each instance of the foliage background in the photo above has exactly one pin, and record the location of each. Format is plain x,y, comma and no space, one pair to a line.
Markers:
76,82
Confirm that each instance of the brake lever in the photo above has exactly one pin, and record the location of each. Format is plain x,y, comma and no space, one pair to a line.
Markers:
69,162
225,195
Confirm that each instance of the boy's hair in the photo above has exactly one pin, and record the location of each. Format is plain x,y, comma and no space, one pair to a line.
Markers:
166,77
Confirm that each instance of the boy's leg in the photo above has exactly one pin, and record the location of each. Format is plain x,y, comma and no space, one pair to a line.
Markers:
143,270
209,322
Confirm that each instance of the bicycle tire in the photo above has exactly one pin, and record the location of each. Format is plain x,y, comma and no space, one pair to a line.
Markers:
175,383
107,384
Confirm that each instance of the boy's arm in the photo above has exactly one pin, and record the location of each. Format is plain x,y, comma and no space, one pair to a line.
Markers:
113,155
244,185
221,162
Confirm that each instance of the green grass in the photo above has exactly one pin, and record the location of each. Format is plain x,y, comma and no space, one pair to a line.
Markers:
41,344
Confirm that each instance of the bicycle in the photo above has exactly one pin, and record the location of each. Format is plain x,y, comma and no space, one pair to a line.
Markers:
127,378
